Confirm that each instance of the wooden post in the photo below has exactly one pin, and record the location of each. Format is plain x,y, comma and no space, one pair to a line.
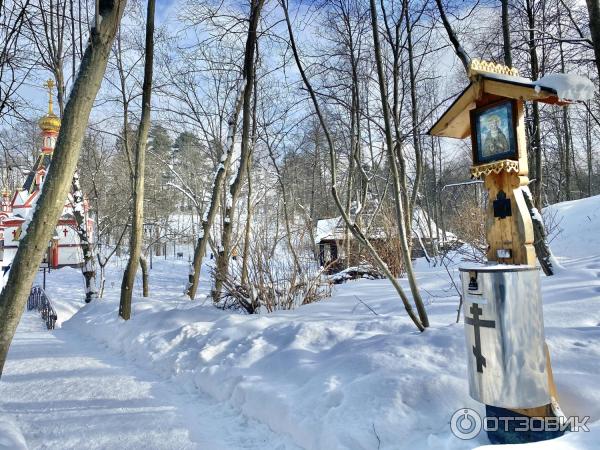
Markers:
510,239
491,111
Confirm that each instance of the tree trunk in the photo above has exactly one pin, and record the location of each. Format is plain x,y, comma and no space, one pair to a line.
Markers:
396,178
211,210
87,247
537,154
414,109
56,186
568,148
349,186
542,250
247,227
236,186
137,227
588,147
567,152
60,88
594,15
286,214
458,49
246,251
506,34
536,132
145,276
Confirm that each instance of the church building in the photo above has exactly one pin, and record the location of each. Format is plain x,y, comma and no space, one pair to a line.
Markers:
16,208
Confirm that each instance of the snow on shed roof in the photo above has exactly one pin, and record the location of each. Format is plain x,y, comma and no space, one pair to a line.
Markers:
327,229
334,229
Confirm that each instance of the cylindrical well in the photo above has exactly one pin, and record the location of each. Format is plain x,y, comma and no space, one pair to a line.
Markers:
504,333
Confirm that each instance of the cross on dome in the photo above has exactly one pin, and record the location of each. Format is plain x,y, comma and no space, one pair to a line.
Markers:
50,85
50,123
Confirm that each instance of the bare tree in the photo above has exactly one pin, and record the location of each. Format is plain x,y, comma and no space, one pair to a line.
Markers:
355,229
594,21
137,227
243,101
13,68
57,183
400,216
235,186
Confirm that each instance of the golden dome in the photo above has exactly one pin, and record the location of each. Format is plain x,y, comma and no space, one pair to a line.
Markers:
50,122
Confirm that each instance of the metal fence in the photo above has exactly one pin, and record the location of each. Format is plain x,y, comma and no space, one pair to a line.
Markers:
40,301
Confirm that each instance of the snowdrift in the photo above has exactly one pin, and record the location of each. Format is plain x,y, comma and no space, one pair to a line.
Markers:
341,375
577,232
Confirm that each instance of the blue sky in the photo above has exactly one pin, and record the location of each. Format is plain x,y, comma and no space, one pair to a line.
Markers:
35,95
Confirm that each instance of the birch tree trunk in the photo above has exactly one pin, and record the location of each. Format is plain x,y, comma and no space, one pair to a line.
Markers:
87,247
137,227
211,211
236,187
51,44
58,181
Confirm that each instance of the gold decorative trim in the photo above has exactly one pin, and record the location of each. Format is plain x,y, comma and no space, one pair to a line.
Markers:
477,66
504,165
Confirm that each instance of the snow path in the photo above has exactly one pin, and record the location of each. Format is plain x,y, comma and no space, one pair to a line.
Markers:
66,393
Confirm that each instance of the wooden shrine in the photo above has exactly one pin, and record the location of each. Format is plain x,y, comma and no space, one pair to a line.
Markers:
491,111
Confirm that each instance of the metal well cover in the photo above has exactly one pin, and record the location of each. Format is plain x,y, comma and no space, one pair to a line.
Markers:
504,333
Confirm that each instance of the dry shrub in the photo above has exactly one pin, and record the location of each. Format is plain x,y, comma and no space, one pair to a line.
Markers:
383,235
274,282
467,222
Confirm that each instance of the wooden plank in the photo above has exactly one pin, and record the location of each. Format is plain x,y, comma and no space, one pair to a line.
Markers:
514,233
511,90
456,122
521,138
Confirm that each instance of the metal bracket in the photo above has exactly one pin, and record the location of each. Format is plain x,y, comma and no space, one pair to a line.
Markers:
502,207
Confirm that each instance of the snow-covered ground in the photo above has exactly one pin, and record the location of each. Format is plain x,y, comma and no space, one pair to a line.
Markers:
332,375
67,392
11,437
